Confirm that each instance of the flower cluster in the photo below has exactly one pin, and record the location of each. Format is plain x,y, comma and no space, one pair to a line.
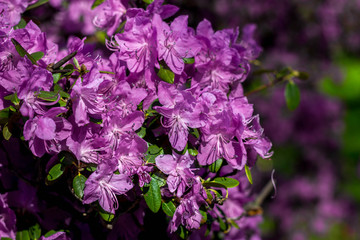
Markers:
145,121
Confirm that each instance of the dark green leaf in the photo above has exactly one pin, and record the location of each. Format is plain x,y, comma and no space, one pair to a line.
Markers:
248,174
21,24
160,178
204,216
22,52
97,121
37,4
35,232
215,166
66,158
166,75
183,232
13,98
97,3
213,184
285,72
141,132
153,196
152,152
37,55
6,132
193,152
106,215
227,182
48,96
71,68
6,238
189,60
195,132
148,1
168,208
4,113
57,77
223,225
91,168
55,172
23,235
292,95
79,185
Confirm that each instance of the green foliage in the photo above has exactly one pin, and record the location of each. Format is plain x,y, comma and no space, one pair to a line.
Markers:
141,132
152,152
215,166
21,24
22,52
193,152
79,185
35,232
48,96
37,55
152,196
55,172
37,4
292,95
227,182
6,132
168,208
166,75
248,174
97,3
108,217
189,60
148,1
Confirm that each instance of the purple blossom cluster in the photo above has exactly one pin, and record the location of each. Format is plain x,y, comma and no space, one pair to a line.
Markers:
164,85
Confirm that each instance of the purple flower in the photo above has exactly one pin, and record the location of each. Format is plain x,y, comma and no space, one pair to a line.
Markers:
175,42
186,214
104,185
45,132
7,219
137,44
109,15
178,169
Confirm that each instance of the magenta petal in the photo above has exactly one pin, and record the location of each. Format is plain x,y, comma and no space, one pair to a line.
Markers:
121,183
173,182
45,128
166,163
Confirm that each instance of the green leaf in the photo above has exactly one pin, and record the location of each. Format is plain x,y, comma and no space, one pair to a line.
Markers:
21,24
189,60
204,216
292,95
141,132
153,196
4,113
193,152
48,96
6,132
223,225
52,232
183,232
215,166
108,217
148,1
97,3
152,152
76,63
213,184
13,98
97,121
166,75
37,55
160,178
23,235
227,182
57,77
91,168
71,67
22,52
35,231
233,223
79,185
168,208
37,4
248,174
6,238
55,172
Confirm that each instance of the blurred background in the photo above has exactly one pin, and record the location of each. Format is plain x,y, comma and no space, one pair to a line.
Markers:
317,146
